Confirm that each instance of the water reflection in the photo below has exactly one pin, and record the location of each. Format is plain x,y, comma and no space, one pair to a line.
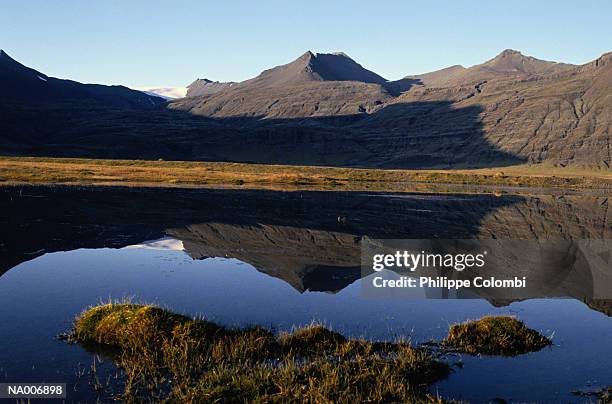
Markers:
59,252
312,240
38,299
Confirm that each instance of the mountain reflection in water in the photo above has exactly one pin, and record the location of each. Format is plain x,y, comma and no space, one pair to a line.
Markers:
311,240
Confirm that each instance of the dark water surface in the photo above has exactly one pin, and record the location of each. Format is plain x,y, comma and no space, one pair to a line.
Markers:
285,259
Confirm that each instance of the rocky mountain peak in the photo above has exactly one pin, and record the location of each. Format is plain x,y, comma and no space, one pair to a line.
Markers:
513,61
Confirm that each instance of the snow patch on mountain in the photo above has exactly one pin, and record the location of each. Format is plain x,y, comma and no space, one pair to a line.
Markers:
169,93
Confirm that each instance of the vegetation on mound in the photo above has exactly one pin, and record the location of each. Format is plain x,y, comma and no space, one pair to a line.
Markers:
171,357
603,396
495,335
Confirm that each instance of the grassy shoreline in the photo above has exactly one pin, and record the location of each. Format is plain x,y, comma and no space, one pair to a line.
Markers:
144,173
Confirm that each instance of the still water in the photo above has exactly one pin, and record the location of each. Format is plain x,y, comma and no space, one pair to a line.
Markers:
281,260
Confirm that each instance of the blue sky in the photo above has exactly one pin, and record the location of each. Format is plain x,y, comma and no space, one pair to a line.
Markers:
151,43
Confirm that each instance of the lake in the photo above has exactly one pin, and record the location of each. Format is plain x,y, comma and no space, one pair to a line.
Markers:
284,259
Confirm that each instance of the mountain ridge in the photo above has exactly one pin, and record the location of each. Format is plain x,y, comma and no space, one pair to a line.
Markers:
508,63
326,109
319,84
311,66
201,87
22,83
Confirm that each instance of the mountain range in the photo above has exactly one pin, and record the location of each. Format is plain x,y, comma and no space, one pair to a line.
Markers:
21,83
327,109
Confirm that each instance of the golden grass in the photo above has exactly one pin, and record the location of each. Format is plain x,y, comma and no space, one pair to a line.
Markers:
71,171
495,335
603,396
173,358
169,357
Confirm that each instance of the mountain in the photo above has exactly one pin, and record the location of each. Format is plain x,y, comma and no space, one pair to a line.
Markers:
298,89
312,85
511,109
326,109
512,61
508,64
439,77
206,87
21,83
538,112
316,67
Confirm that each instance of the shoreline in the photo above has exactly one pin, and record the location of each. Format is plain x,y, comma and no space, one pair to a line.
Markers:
184,174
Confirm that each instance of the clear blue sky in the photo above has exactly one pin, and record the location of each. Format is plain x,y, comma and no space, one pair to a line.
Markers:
143,43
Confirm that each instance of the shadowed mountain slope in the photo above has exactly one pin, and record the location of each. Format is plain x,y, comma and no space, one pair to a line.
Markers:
21,83
561,118
523,110
325,109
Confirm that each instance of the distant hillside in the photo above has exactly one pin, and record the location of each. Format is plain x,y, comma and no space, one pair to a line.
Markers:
507,64
540,112
512,108
206,87
21,83
440,77
312,85
316,67
512,61
326,109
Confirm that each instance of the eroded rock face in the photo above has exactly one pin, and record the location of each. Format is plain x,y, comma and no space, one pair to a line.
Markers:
510,109
326,109
312,85
561,116
508,64
205,87
299,100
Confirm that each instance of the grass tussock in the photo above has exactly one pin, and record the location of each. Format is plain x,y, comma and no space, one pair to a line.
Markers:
495,335
603,396
173,358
